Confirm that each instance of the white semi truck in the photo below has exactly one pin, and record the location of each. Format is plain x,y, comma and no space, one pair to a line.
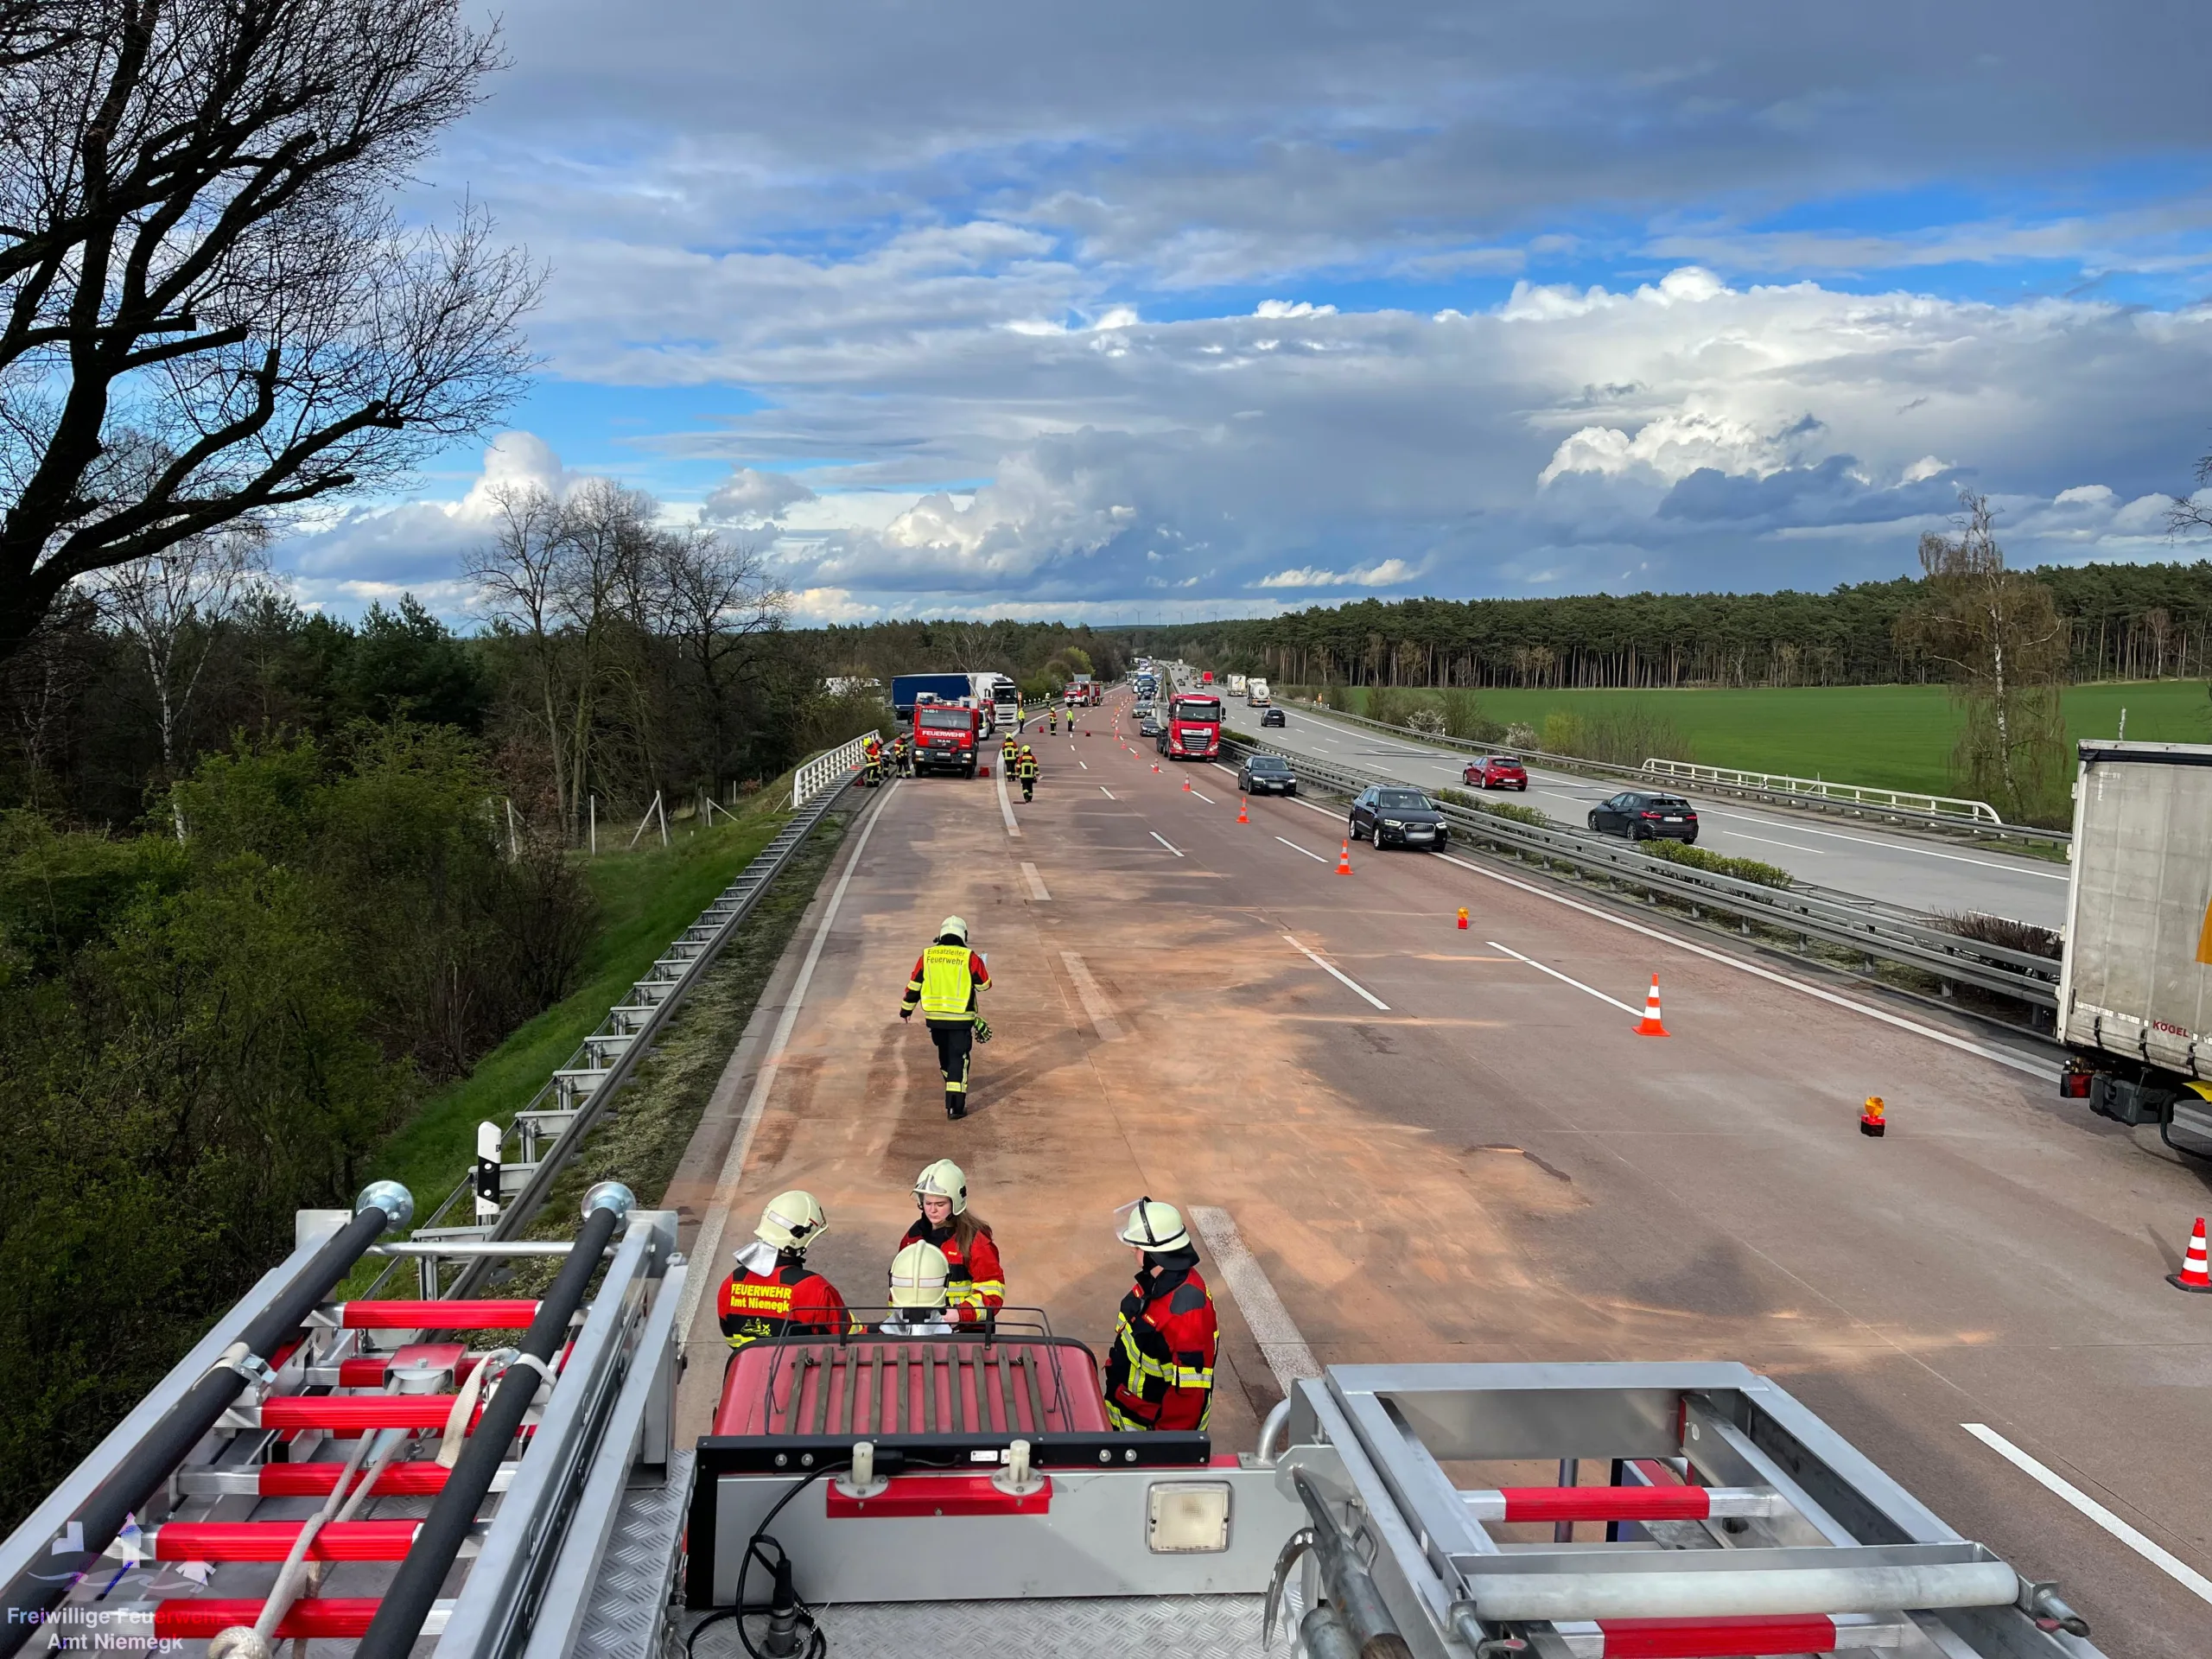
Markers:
1256,693
2135,995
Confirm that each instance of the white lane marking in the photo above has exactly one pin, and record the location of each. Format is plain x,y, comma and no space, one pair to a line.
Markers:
1085,765
2016,1062
2183,1574
1562,978
707,1245
1280,1342
1036,882
1094,1002
1737,835
1891,846
1006,806
1331,971
1202,796
1168,844
1107,792
1295,848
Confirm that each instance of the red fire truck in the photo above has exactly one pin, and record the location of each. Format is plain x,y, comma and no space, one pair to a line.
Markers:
944,737
1192,729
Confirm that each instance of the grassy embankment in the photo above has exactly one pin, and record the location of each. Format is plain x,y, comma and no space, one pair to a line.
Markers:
1893,736
646,899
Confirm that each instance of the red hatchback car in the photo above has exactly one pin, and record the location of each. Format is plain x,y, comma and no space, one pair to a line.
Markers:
1497,771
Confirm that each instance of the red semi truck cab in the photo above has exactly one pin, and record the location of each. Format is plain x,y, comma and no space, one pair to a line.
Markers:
1192,729
944,737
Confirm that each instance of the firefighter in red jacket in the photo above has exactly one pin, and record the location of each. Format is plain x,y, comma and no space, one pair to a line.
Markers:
773,1293
946,977
1160,1373
975,1283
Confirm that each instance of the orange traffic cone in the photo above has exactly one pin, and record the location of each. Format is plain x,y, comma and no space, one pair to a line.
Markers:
2194,1275
1344,860
1873,1117
1240,818
1186,786
1650,1025
1462,918
1156,766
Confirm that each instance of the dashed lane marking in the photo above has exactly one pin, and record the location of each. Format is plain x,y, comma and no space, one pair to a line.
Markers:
1342,978
1295,848
2179,1571
1085,765
1036,883
1562,978
1107,792
2016,1062
1168,844
1095,1005
1281,1344
707,1248
1202,796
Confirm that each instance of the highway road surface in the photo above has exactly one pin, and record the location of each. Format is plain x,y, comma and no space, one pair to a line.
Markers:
1918,871
1438,1145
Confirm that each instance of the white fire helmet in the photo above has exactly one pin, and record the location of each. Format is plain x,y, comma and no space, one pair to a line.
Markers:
917,1275
1155,1227
944,1179
956,927
793,1221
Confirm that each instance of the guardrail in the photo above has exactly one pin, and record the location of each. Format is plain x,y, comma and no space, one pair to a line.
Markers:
1951,959
807,781
1946,806
1769,795
572,1100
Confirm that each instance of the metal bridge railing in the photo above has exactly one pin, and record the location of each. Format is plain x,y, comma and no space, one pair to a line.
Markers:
807,782
1941,806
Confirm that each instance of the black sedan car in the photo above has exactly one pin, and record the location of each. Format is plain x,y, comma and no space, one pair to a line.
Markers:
1397,817
1643,815
1273,716
1266,774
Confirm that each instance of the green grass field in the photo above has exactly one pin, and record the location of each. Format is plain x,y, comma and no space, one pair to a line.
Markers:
646,899
1893,736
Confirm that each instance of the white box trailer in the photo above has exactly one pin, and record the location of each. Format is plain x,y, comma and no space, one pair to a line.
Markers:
2135,994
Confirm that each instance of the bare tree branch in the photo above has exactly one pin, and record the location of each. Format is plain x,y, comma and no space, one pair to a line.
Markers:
210,310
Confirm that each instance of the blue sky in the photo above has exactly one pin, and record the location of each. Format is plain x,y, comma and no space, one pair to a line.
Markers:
1045,310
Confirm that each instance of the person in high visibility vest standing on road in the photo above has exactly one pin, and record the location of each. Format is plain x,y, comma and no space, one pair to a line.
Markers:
974,1282
1007,752
773,1293
1160,1373
946,979
1026,768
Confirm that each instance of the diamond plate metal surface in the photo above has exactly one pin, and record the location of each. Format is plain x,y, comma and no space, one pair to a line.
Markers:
1157,1627
630,1601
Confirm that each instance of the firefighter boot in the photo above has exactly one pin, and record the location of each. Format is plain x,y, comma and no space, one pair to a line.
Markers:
1028,790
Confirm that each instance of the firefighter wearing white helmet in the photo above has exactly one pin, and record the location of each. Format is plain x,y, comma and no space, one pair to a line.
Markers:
773,1293
1159,1374
917,1294
946,978
975,1281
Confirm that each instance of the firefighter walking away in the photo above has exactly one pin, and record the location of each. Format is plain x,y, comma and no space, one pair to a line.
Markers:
945,981
1026,767
773,1293
1159,1374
